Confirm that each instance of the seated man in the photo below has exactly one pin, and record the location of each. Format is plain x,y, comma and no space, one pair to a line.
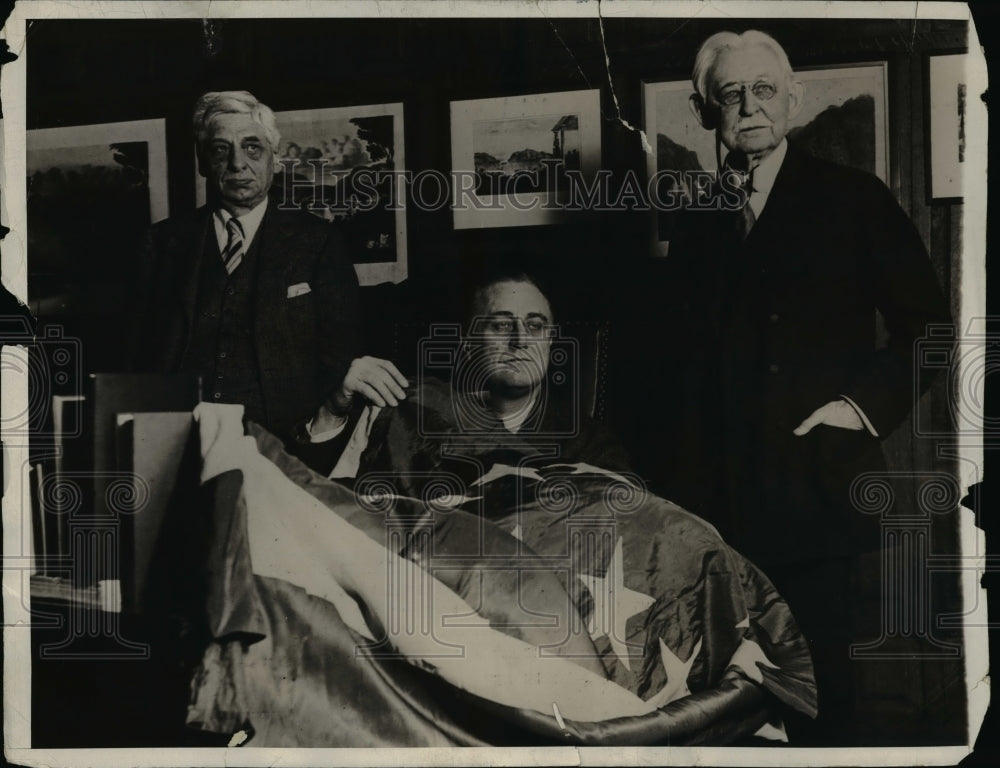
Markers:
500,406
495,576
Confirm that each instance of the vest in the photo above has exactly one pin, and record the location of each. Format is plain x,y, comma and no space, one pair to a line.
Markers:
222,347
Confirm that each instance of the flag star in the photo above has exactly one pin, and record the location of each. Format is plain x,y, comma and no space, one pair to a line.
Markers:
503,470
517,533
750,657
614,604
677,671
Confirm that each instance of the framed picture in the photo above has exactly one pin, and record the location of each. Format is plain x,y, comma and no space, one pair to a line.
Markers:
344,164
946,119
844,118
92,192
109,156
512,156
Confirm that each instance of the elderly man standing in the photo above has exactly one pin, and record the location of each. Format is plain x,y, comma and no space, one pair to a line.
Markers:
780,295
261,302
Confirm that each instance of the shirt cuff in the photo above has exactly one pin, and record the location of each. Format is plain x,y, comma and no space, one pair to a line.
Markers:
861,415
326,434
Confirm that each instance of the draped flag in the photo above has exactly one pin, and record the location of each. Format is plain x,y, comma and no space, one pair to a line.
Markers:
550,603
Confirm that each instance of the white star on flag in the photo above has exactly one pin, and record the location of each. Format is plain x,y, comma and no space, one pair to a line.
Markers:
748,656
503,470
614,604
516,533
677,671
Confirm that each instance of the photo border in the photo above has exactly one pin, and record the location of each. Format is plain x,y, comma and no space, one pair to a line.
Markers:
17,722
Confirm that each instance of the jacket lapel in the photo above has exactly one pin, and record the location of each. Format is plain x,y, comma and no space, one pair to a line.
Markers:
786,192
276,257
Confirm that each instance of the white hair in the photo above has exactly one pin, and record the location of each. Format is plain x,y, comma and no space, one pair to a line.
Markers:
229,103
729,41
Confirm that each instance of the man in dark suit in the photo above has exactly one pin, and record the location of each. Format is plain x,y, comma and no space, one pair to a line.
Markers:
262,302
501,405
787,398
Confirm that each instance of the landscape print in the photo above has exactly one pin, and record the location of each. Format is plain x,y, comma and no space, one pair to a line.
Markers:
322,152
514,152
338,163
509,153
81,201
92,192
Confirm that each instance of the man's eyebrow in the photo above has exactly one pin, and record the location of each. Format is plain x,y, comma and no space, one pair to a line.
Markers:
251,137
757,78
508,313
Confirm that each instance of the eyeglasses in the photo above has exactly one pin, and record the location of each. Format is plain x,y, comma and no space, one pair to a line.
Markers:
762,90
505,326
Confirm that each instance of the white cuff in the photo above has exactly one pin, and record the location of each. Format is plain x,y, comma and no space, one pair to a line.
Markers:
326,434
861,415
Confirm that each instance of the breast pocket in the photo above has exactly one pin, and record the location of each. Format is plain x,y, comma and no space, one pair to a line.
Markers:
289,318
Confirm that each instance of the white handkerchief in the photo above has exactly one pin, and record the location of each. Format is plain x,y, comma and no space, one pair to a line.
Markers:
299,289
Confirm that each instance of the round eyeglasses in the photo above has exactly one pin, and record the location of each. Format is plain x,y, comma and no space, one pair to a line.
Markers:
506,326
762,90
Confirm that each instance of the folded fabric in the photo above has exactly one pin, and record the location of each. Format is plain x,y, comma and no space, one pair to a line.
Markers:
343,619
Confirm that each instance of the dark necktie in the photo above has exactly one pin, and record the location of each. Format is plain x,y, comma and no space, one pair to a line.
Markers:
736,164
233,253
746,218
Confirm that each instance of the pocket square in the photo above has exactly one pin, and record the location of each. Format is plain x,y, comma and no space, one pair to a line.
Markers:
299,289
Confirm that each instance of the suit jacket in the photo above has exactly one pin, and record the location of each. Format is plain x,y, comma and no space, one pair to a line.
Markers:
773,328
304,344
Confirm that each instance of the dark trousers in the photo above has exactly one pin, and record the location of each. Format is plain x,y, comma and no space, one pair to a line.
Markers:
836,603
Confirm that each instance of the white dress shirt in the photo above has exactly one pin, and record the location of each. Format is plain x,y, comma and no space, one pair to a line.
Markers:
350,460
764,176
250,222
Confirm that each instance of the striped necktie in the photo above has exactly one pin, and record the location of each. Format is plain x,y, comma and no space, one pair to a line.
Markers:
233,253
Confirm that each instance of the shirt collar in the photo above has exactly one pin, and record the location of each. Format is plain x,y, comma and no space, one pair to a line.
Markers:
250,222
765,173
515,421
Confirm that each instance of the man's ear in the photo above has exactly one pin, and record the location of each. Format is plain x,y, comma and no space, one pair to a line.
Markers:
796,98
704,113
201,163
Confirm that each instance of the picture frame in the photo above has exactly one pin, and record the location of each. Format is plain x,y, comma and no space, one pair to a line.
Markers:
79,145
338,143
945,75
518,152
92,193
837,99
